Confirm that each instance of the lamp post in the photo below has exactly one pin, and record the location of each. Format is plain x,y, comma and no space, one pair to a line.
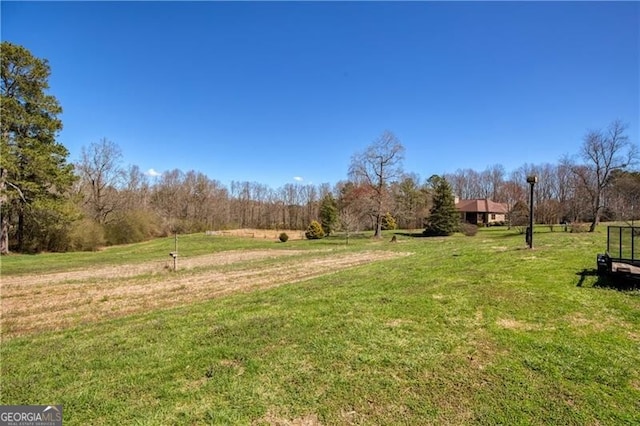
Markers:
531,180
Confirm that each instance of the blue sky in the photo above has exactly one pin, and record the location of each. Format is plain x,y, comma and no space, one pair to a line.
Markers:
270,91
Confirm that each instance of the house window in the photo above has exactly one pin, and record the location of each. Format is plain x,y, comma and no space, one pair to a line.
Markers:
493,216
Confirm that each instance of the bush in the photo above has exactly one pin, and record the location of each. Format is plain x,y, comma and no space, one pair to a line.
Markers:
388,222
86,235
578,227
468,229
521,229
131,227
283,237
314,231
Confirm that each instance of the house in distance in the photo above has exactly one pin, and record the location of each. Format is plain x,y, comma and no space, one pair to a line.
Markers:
482,211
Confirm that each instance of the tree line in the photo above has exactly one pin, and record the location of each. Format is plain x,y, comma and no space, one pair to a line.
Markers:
598,183
50,204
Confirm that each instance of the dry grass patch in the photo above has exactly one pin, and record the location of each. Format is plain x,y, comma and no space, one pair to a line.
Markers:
56,303
133,270
274,420
512,324
268,234
398,322
601,323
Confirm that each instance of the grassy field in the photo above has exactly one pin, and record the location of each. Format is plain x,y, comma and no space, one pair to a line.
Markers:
457,330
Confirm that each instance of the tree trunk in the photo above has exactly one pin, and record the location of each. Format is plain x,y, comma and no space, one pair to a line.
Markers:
378,233
4,235
20,233
595,221
596,216
4,219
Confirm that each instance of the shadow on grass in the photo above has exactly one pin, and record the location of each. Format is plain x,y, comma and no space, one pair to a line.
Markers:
513,233
420,234
616,282
341,239
412,234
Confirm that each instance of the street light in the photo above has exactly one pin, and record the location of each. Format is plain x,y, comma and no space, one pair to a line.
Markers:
531,180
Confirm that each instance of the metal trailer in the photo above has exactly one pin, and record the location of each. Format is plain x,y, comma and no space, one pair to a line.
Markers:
622,258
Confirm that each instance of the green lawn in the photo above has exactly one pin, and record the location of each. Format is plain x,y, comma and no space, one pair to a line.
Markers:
466,330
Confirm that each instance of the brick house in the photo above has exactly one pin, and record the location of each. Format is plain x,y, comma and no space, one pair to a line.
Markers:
481,211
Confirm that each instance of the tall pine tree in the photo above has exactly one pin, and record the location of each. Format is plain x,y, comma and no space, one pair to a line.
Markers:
444,219
328,213
34,172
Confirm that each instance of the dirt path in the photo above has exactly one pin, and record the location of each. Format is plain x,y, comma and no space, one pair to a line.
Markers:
57,301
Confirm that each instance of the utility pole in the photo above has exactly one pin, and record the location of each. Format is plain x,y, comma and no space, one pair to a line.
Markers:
531,180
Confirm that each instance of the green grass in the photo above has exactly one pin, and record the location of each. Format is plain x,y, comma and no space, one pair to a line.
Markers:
473,330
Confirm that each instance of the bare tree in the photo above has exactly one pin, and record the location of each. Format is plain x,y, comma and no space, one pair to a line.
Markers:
377,167
513,191
564,188
465,183
411,201
624,197
348,222
168,199
495,174
357,198
101,174
136,190
603,153
291,194
309,199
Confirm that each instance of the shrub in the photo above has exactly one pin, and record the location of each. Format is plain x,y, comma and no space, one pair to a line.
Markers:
283,237
314,231
521,229
131,227
86,235
468,229
388,222
578,227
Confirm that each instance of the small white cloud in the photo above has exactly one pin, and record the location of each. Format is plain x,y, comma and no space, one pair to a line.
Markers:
298,179
152,173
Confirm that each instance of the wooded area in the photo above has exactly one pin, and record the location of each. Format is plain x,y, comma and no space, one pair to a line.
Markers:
49,204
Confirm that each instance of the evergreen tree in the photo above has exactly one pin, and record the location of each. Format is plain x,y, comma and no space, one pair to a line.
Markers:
314,231
388,222
443,218
328,213
33,167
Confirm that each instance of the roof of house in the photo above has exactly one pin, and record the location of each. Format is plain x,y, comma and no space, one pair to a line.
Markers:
481,205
